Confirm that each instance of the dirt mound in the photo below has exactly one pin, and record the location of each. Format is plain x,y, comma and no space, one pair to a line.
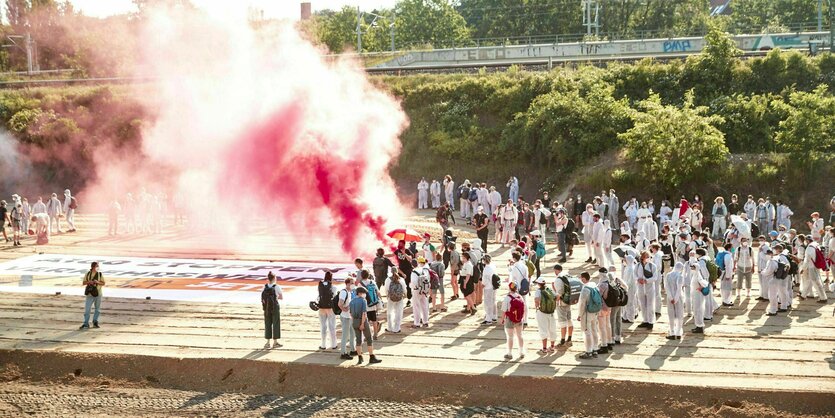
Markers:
567,395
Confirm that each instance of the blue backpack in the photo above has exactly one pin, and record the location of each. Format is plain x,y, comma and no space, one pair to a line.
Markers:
473,194
720,260
595,302
373,295
539,250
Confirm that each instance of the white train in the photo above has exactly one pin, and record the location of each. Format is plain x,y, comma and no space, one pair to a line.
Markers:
592,51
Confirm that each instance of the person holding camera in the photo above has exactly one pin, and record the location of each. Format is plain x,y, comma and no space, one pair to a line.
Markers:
93,284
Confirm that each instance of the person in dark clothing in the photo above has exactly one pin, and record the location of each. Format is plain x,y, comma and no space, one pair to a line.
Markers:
481,227
404,263
381,265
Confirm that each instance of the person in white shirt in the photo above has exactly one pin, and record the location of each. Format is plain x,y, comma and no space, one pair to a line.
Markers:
658,260
604,323
750,209
396,294
630,209
614,207
598,234
423,193
674,287
829,241
727,277
784,214
348,335
420,293
490,315
563,309
508,216
512,330
630,278
744,265
519,272
719,214
813,277
588,236
327,320
606,246
588,320
69,210
782,288
816,226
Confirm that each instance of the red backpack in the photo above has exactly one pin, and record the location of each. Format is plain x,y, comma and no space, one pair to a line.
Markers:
516,312
820,261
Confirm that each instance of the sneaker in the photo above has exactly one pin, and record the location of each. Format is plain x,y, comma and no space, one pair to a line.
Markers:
84,326
426,325
678,337
542,351
585,356
782,310
508,357
353,353
95,324
374,360
485,322
359,361
698,330
322,348
770,314
588,260
594,354
603,350
346,357
671,337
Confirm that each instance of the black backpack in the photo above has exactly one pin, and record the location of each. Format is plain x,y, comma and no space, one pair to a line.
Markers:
268,301
570,226
325,296
335,303
611,297
496,281
622,295
782,271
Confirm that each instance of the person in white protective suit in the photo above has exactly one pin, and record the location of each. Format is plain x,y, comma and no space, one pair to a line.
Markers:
674,287
698,281
750,209
719,215
643,216
53,209
726,286
630,311
513,189
69,210
775,286
650,229
630,209
435,194
27,215
508,216
813,277
658,261
588,224
665,212
762,262
483,198
449,189
648,276
40,224
39,206
423,193
614,207
598,233
625,229
710,305
495,200
606,245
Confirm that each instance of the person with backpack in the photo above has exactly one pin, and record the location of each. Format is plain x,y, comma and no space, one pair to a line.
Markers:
93,284
396,294
629,277
270,297
784,289
674,287
327,318
405,257
744,266
648,276
604,324
770,273
589,305
343,301
711,273
699,285
562,291
372,298
15,217
358,308
467,283
545,301
490,283
520,277
513,311
615,316
421,289
813,262
537,251
726,275
436,282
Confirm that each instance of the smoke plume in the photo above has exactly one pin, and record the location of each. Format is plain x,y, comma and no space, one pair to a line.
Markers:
257,124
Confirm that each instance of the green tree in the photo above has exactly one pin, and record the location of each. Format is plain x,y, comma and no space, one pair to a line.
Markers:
758,15
808,131
337,29
429,22
711,73
674,146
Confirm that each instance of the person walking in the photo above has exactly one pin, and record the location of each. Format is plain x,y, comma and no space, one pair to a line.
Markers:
327,319
421,290
467,283
93,284
443,216
53,209
699,292
449,187
348,336
270,297
358,309
481,223
512,314
69,207
455,265
396,293
372,298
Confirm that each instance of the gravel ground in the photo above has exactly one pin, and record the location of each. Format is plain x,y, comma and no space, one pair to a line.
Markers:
41,400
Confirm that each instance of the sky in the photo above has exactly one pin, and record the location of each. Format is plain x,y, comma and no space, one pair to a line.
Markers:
275,9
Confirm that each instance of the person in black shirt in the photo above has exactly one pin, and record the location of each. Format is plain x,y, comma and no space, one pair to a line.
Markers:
381,265
4,219
481,227
546,201
733,207
404,263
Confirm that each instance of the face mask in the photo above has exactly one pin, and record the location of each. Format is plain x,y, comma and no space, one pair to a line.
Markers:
693,258
744,244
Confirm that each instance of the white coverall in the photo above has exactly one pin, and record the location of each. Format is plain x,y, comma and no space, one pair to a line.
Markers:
70,212
674,286
646,290
435,192
813,277
420,303
423,194
449,188
53,209
698,280
630,311
588,321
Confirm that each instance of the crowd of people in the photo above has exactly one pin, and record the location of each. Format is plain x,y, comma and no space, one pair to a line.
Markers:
39,219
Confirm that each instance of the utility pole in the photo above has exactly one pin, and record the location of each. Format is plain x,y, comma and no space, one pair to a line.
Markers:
820,15
591,21
831,28
359,30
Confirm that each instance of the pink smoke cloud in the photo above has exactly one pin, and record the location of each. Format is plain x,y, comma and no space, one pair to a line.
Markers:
258,124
